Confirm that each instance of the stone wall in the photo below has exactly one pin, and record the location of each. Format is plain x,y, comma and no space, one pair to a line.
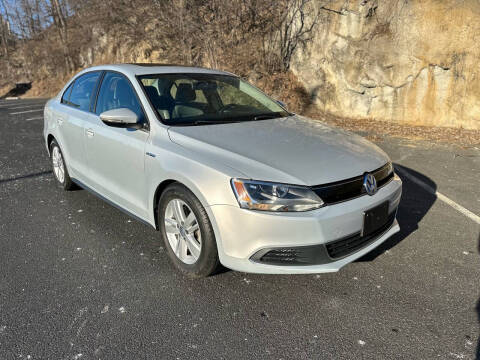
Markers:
410,61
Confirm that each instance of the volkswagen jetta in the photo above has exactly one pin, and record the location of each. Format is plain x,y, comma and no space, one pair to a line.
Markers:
225,173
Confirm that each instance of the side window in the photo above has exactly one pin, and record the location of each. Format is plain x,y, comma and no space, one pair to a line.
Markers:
66,94
117,92
82,91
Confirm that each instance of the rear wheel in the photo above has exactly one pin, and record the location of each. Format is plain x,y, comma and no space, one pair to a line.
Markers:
187,232
59,168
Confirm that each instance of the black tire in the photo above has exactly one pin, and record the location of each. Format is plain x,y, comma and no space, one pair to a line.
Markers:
208,262
67,184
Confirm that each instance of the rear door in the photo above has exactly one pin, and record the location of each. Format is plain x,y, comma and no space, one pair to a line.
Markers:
76,106
115,155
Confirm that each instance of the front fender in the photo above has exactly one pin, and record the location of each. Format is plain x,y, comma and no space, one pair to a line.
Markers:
209,182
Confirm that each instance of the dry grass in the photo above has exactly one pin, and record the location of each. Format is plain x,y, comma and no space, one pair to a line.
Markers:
5,89
44,88
377,129
285,87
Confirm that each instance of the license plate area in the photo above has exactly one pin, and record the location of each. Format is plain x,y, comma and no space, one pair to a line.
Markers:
375,218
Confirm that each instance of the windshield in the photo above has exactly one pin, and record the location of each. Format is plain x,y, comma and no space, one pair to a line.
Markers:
199,99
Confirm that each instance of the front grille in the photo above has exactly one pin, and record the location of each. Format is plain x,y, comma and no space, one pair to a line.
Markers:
340,248
351,188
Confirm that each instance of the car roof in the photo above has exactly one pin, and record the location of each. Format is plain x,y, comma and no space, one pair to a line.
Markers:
134,69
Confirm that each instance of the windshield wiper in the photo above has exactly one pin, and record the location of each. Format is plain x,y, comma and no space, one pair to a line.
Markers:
204,122
230,121
266,116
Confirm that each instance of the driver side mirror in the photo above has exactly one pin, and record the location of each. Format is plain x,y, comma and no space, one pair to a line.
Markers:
121,117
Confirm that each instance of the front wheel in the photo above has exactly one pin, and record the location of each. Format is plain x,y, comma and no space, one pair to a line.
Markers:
187,232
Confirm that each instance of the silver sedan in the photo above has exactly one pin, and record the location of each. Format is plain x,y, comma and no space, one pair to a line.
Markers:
225,173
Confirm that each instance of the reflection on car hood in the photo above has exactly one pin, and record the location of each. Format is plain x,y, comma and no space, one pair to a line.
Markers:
293,149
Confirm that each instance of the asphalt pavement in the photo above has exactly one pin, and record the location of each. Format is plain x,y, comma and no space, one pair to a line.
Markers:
81,280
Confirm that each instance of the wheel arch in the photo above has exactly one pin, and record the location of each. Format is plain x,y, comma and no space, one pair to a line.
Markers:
192,187
50,138
156,197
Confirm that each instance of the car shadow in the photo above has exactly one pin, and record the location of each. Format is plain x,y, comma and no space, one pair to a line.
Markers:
27,176
415,203
34,175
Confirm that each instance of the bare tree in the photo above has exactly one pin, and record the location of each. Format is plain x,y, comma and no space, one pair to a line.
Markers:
58,13
5,29
296,28
251,37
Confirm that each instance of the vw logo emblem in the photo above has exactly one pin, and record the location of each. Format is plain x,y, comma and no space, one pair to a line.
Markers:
370,184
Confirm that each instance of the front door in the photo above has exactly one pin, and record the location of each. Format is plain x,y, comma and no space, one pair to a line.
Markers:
116,155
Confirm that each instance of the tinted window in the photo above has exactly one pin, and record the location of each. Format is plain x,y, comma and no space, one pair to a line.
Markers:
66,94
82,91
117,92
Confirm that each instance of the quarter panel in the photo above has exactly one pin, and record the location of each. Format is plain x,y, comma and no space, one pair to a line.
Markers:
69,137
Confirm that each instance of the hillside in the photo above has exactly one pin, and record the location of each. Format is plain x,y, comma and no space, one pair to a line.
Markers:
395,60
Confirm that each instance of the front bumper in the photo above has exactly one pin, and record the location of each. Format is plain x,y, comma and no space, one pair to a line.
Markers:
244,235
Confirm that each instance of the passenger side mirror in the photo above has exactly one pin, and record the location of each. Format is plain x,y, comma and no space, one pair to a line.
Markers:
121,117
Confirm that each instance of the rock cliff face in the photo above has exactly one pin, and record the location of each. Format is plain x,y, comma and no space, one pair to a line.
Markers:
411,61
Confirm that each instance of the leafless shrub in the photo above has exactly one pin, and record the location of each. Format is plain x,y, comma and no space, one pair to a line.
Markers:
296,27
54,38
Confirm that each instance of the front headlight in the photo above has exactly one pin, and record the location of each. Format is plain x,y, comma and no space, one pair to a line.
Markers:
267,196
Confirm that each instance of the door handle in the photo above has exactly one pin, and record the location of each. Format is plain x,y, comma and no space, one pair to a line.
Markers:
90,133
59,121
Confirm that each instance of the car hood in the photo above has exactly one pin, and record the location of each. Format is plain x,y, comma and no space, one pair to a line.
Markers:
293,149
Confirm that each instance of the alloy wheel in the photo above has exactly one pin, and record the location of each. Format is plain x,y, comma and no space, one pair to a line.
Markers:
57,161
183,231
